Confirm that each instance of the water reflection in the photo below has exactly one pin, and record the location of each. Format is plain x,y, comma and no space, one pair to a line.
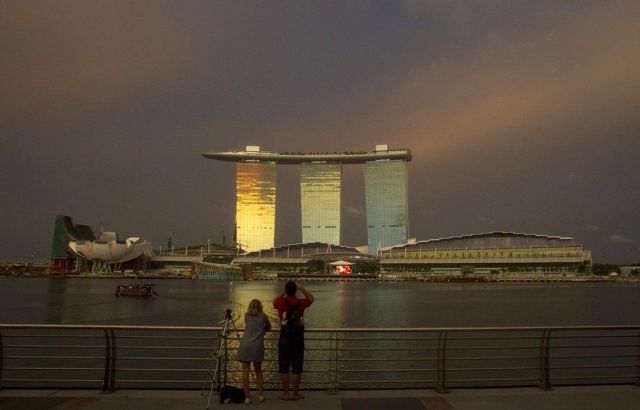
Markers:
338,304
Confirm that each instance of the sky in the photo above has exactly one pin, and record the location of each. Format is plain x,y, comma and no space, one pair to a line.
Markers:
522,116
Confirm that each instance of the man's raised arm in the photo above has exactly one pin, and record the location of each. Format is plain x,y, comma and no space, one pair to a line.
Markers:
306,292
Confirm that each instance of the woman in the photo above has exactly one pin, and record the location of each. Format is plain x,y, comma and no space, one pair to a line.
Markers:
251,349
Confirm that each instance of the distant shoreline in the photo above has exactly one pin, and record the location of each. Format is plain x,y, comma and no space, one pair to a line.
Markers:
434,278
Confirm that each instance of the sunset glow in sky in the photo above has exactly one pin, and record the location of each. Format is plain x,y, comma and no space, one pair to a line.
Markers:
521,115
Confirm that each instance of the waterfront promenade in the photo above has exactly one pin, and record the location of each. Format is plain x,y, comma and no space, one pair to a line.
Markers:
618,397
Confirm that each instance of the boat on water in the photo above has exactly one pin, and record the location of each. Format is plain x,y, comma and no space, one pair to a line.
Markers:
145,291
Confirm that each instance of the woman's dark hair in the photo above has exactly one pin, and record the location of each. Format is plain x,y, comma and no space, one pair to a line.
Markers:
291,288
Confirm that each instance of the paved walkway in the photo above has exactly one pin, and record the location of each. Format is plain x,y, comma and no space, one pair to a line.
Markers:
578,398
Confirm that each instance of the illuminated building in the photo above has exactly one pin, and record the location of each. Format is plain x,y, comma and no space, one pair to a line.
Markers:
320,202
386,196
255,204
320,194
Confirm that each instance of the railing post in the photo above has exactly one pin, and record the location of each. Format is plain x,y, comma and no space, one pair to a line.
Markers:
112,377
336,345
108,383
218,366
545,376
107,361
637,363
333,362
1,359
441,367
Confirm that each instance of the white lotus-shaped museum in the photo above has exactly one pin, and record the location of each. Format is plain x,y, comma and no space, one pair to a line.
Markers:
109,250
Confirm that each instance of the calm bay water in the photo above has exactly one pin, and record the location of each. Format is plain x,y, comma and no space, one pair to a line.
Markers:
338,304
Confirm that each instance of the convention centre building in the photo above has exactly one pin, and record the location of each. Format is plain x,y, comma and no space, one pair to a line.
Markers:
480,254
493,252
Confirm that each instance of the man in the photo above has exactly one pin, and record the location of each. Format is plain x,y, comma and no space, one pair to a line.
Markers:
291,342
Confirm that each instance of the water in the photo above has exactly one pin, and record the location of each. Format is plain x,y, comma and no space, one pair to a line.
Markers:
338,304
409,360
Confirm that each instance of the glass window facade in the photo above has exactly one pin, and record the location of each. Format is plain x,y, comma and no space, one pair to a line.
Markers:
386,197
255,205
320,202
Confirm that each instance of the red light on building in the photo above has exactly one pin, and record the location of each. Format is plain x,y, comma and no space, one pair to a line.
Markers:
343,269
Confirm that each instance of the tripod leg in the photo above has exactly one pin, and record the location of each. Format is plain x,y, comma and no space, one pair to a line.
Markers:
212,386
215,374
216,371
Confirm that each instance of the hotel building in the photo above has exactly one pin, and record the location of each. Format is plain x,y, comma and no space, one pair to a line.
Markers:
386,196
320,202
256,204
320,194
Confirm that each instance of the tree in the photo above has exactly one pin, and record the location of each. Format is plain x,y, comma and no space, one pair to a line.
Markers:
605,268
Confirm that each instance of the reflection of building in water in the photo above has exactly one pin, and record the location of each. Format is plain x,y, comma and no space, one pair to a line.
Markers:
320,192
240,295
493,252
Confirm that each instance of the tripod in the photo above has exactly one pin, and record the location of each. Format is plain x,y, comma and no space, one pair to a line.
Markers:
227,323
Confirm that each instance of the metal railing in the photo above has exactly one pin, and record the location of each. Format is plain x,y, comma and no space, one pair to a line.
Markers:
110,357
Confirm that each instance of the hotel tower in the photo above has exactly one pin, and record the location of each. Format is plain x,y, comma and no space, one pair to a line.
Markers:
256,204
386,192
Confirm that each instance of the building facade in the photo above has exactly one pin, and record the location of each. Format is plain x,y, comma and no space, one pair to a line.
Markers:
255,204
386,196
320,201
320,194
488,253
312,258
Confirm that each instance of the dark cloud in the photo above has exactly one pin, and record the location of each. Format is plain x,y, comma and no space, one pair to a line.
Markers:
522,115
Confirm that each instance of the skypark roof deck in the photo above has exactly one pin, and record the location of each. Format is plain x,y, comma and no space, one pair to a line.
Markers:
300,157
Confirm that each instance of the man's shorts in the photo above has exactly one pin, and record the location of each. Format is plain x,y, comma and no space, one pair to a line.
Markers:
290,357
